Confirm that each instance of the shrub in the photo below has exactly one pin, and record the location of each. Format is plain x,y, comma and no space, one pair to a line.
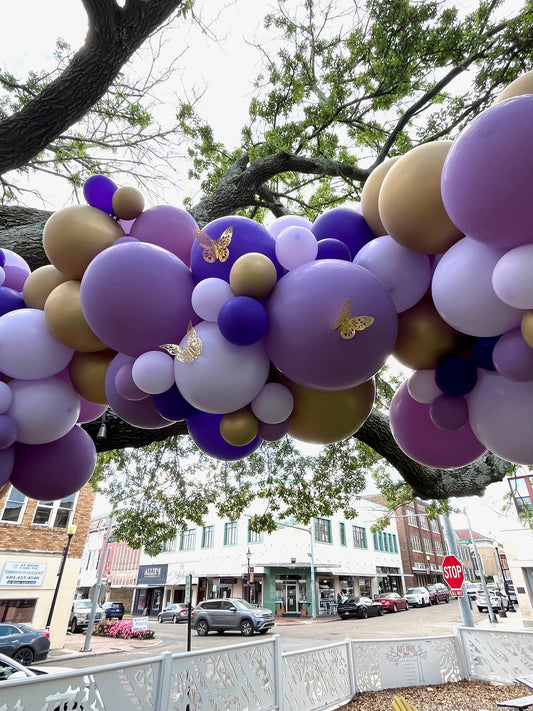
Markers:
120,629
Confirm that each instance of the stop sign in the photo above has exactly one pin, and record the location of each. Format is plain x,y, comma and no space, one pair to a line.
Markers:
452,570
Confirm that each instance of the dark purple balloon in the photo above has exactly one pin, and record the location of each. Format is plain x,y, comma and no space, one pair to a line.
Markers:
482,349
7,460
2,258
52,471
271,433
204,428
98,190
8,431
10,300
242,321
344,224
456,376
248,236
333,249
172,405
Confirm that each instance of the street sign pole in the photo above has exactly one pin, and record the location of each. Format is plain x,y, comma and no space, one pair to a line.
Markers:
464,604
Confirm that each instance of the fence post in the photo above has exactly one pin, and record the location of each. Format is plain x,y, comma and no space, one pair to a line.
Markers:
351,669
278,674
462,655
162,696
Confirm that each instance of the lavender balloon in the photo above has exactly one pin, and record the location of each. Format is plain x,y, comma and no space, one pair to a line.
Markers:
168,227
449,413
513,357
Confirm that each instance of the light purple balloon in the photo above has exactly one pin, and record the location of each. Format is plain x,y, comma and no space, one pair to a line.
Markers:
501,412
16,269
511,278
422,386
449,413
125,385
463,293
6,396
209,296
168,227
141,413
296,246
424,442
8,431
405,274
53,471
136,296
281,223
153,372
486,177
303,309
513,357
7,461
28,351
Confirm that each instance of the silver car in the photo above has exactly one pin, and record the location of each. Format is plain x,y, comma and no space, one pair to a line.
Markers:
80,613
231,613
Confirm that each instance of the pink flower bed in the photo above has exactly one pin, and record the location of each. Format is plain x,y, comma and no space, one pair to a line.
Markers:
121,629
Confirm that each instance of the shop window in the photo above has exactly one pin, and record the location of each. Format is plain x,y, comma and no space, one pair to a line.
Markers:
54,514
208,533
17,611
14,508
230,533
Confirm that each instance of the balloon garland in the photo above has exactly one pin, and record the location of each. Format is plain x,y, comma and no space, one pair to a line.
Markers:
248,332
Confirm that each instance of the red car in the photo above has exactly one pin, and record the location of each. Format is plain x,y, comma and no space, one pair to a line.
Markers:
392,602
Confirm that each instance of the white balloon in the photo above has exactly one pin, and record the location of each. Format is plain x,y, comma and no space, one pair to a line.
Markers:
296,246
44,410
223,377
422,386
281,223
209,296
153,372
511,277
28,351
273,404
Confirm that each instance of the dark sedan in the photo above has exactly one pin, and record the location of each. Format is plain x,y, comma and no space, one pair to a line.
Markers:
392,602
361,607
178,612
23,643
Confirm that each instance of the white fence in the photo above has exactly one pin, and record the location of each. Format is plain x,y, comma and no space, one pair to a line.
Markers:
257,676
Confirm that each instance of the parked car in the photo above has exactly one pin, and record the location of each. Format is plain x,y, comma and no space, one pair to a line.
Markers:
361,607
113,609
11,670
471,590
417,597
23,643
498,600
175,613
80,613
392,602
438,592
231,614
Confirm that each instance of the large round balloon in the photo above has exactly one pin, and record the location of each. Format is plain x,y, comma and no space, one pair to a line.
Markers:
168,227
501,412
511,278
486,179
10,300
521,85
224,240
344,224
405,274
223,377
136,296
332,325
27,348
73,236
204,428
417,435
370,196
65,319
53,471
16,270
410,203
281,223
463,293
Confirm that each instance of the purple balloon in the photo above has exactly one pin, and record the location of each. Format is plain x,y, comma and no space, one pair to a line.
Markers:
513,357
52,471
333,249
172,405
423,441
7,461
168,227
8,431
2,258
449,413
281,223
242,321
248,236
271,433
125,386
136,296
302,311
10,300
98,190
204,428
139,413
486,177
345,224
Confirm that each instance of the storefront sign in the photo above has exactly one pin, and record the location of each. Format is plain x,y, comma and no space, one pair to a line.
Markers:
23,574
152,574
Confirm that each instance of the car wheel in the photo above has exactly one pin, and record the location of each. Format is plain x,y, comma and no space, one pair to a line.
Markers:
380,612
480,609
422,603
364,613
202,628
160,619
120,618
74,625
247,628
446,599
24,656
175,620
395,608
406,606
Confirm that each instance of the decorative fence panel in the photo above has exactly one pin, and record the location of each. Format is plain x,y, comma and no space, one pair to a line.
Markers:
492,655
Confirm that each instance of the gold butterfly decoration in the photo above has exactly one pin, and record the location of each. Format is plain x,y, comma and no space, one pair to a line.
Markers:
349,324
193,350
214,249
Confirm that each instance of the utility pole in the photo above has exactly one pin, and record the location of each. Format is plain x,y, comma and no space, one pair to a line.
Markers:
492,616
464,604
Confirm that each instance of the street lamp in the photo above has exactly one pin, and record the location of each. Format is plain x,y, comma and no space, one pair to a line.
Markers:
248,556
510,607
71,530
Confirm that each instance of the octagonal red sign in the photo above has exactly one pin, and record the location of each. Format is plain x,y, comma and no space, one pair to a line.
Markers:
452,571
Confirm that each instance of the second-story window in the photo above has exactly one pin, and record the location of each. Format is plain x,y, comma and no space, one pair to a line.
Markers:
230,533
323,530
14,508
54,514
208,533
411,518
342,533
359,537
415,542
187,540
254,536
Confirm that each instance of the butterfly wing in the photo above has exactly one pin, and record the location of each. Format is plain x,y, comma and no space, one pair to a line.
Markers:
346,312
194,343
222,244
362,322
209,246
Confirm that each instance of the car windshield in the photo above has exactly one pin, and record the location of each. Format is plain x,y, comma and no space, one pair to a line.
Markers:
414,590
244,604
83,604
353,599
386,595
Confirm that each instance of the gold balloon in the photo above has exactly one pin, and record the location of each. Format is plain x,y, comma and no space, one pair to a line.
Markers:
87,373
73,236
424,338
526,327
370,196
65,319
410,201
322,417
128,203
254,275
520,86
240,427
40,284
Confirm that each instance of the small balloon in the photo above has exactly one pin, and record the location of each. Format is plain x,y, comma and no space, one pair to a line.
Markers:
8,431
296,246
513,357
333,249
239,428
98,190
242,321
40,284
370,196
125,385
127,203
422,386
65,320
172,405
273,433
449,413
253,274
88,371
208,297
285,221
274,404
204,429
153,372
456,376
482,350
345,224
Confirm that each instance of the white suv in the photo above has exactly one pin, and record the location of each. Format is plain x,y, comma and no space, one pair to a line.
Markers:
417,597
